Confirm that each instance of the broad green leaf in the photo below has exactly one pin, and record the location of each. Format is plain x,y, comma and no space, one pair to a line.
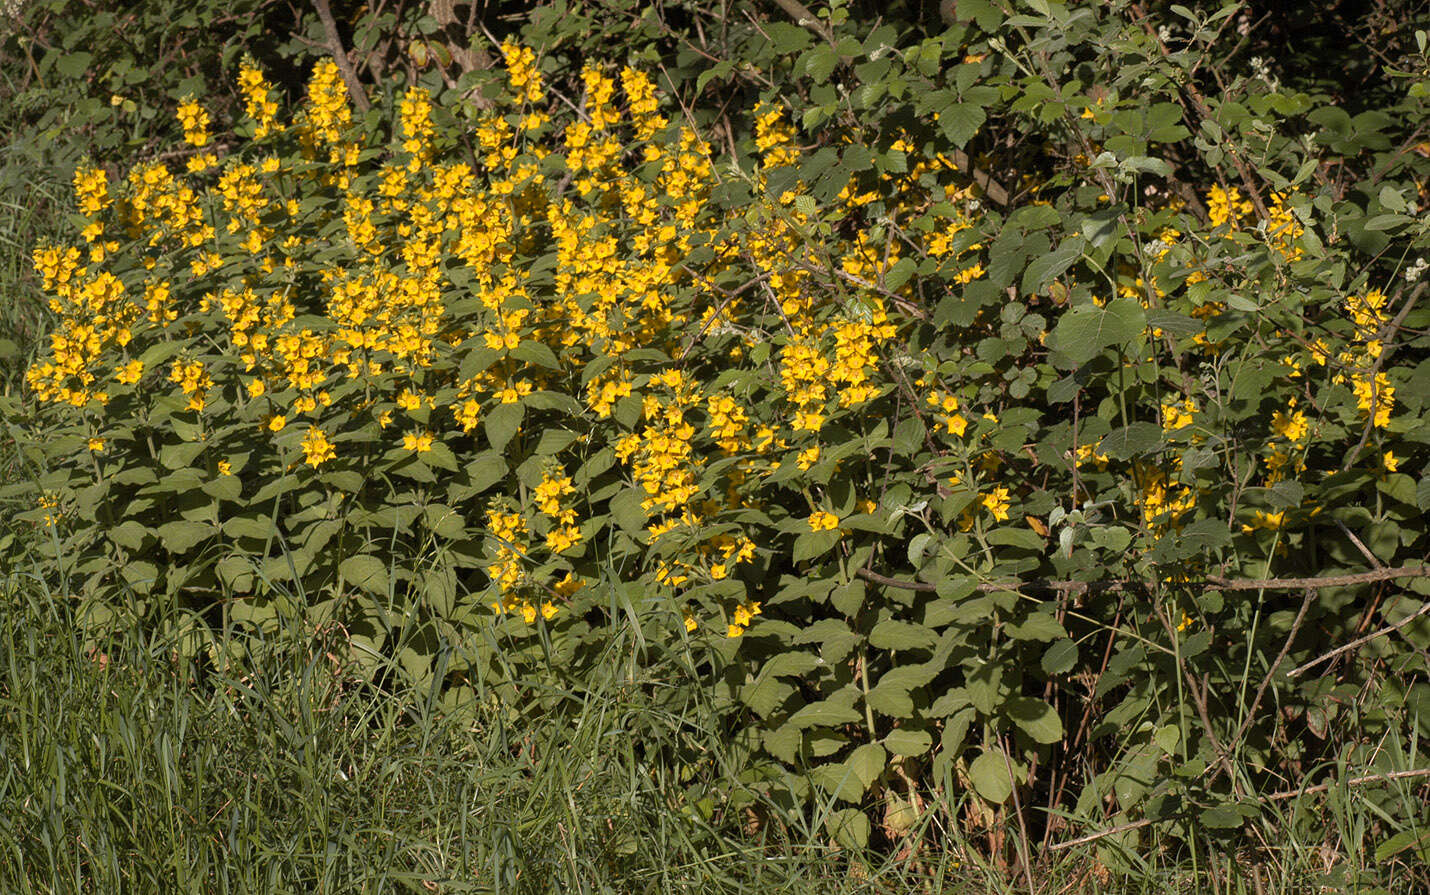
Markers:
181,536
828,713
989,775
960,122
501,423
366,572
892,634
850,828
1035,717
1043,269
908,741
1060,656
1038,626
1082,333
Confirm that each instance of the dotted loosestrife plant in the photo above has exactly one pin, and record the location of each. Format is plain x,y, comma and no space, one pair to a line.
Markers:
812,418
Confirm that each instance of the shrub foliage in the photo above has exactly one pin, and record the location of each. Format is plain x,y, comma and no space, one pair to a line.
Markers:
1033,465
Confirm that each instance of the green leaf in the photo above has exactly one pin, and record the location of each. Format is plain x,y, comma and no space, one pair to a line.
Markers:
250,526
1222,817
1038,626
501,423
1083,332
366,572
850,828
1043,269
1060,656
814,543
893,634
908,741
1132,441
960,122
819,63
180,536
224,487
829,713
867,763
989,775
1035,718
73,65
129,535
626,509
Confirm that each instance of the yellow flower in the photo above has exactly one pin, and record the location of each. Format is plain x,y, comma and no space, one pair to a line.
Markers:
317,450
1262,519
819,520
1390,461
225,467
417,441
96,445
1291,426
276,423
997,503
808,457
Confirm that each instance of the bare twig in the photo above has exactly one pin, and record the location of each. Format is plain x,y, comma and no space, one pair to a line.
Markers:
1361,641
1215,580
340,56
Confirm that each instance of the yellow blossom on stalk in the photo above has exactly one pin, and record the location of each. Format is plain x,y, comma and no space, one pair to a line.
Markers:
1389,461
521,72
225,467
194,119
997,503
91,190
1177,416
819,520
317,450
130,372
1375,398
277,422
1260,519
1292,425
258,102
417,441
96,445
808,457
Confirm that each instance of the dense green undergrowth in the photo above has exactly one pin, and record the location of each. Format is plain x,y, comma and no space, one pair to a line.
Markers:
917,443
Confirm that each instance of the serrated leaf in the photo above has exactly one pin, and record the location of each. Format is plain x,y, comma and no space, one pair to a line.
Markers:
960,122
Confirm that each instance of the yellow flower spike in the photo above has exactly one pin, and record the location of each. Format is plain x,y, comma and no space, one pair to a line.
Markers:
317,450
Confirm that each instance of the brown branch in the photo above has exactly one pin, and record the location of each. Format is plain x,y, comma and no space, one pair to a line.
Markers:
1216,580
340,56
1275,796
1360,641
